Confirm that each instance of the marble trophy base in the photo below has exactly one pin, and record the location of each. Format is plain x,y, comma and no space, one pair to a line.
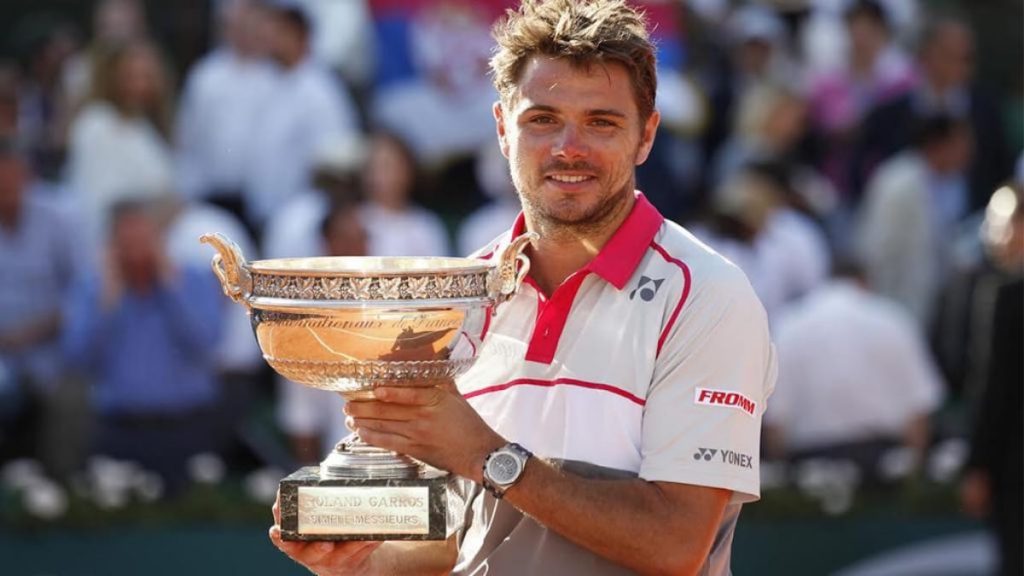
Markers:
429,506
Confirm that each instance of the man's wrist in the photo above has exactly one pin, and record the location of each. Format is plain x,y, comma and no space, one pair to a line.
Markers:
477,466
504,468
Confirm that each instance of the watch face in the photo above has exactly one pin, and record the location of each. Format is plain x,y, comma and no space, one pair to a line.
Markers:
503,468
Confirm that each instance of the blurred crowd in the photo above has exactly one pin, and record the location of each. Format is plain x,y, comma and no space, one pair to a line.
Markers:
841,152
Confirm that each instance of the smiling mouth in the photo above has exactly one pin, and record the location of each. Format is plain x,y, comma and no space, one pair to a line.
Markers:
568,179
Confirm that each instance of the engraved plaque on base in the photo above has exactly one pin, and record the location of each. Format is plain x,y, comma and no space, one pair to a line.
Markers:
349,325
430,506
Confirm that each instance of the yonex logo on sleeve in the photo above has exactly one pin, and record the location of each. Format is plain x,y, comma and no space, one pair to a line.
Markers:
725,457
709,397
704,453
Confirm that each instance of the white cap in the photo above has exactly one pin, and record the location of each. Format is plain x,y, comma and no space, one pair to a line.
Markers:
341,154
756,22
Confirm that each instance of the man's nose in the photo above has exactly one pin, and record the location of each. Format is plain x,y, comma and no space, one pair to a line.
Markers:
570,143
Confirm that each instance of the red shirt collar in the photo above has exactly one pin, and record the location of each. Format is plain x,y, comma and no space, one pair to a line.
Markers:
620,256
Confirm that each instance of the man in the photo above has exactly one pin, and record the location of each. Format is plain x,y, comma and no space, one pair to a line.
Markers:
217,124
306,107
37,258
993,483
845,346
946,60
147,332
911,203
634,361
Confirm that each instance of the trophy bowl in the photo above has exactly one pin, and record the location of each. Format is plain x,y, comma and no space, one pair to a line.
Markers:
348,325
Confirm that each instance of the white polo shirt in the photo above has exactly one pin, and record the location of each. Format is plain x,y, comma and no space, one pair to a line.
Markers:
653,361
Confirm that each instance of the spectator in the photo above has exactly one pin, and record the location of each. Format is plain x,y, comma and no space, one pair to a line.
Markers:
966,313
147,331
294,231
912,205
946,60
797,245
755,41
739,215
391,175
45,111
770,127
343,39
855,377
37,255
114,22
993,485
876,71
221,107
305,109
238,358
120,145
444,113
312,419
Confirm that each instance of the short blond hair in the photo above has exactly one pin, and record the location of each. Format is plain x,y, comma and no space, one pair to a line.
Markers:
584,32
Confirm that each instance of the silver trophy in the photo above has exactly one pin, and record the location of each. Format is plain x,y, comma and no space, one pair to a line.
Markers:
349,324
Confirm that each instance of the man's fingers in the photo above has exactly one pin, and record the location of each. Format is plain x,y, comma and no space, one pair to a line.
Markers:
292,549
412,396
305,553
351,553
276,509
381,410
334,554
386,440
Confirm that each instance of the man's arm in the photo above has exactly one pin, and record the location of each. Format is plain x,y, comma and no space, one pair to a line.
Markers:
650,527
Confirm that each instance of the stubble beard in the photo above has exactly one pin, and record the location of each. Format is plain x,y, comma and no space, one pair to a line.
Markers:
564,217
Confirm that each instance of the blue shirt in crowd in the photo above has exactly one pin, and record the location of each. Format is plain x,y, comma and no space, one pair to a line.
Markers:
152,354
37,263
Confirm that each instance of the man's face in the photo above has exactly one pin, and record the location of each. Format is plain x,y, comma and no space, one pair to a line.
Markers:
137,245
953,155
867,35
949,60
573,137
345,235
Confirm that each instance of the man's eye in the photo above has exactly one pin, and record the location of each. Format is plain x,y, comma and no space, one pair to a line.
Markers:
602,123
542,120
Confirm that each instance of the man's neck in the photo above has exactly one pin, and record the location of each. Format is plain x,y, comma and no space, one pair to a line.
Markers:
561,250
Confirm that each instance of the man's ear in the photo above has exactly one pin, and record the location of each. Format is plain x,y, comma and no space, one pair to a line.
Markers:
647,137
499,121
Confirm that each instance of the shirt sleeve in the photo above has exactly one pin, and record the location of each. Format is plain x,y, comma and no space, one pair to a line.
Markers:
702,418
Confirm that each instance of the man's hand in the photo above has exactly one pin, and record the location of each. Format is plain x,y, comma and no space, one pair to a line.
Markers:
976,494
325,558
435,425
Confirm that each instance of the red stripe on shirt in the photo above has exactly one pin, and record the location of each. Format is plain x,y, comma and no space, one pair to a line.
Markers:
557,382
682,299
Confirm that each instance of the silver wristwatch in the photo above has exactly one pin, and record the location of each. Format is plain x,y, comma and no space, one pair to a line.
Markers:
504,467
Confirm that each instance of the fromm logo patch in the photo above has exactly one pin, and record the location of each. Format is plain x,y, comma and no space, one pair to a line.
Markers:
710,397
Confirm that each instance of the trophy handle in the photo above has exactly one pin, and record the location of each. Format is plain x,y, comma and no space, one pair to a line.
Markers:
512,268
230,267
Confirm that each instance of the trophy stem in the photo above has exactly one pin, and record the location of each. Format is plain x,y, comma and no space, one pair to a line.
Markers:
354,458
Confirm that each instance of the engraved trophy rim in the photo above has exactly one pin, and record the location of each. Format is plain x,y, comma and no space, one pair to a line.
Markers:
370,266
